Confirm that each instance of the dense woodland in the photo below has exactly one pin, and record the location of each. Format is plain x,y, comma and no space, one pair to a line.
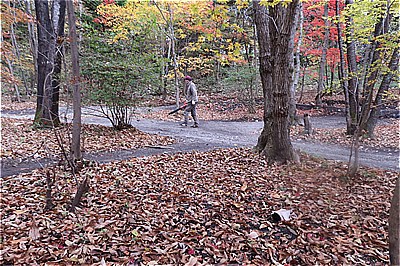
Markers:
269,56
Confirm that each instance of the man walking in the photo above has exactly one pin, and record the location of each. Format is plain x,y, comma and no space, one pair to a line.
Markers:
191,99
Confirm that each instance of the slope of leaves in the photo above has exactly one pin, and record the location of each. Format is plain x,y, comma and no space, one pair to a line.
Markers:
21,140
387,136
200,209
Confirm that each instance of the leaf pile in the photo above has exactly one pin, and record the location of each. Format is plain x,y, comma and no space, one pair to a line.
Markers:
200,209
7,104
21,140
386,136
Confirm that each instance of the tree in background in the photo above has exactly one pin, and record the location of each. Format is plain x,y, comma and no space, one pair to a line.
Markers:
319,46
76,123
15,55
276,25
321,73
120,65
208,38
50,28
378,38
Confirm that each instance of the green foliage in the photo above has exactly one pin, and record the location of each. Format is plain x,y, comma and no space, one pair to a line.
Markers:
118,74
242,81
240,77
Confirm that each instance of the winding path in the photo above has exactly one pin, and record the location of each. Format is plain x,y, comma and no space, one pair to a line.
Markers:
213,135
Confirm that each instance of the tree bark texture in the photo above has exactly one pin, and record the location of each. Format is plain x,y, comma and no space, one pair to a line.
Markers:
383,88
276,29
368,91
59,23
43,82
47,38
394,227
353,75
296,74
33,46
342,70
298,50
77,123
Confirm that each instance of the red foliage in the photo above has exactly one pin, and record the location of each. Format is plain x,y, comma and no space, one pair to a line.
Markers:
314,31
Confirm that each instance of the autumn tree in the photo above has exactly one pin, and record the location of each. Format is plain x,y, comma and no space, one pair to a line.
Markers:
202,38
15,55
379,63
319,51
322,65
276,25
121,63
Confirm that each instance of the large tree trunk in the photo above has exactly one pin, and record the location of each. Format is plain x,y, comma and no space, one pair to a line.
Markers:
394,227
353,76
77,123
43,81
47,38
59,23
276,30
321,76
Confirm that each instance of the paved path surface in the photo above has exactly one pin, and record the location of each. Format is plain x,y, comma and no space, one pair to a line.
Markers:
212,135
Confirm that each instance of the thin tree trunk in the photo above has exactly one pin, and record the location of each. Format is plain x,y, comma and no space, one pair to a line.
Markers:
18,55
171,36
293,89
384,87
368,93
11,69
302,83
163,71
394,226
77,124
33,46
353,75
298,48
172,33
342,70
321,76
49,188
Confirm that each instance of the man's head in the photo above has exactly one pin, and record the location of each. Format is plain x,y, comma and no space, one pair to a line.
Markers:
188,78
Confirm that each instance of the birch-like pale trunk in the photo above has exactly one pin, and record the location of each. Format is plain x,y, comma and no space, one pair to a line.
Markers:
296,74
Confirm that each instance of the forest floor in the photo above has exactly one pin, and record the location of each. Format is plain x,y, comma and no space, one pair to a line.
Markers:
164,194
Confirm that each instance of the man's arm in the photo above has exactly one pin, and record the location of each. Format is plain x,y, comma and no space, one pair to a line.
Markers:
193,91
